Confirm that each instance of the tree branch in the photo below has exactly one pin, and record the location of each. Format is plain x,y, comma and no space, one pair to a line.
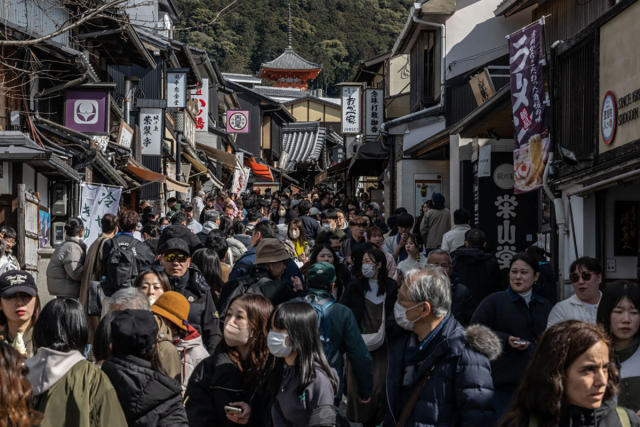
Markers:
215,18
83,18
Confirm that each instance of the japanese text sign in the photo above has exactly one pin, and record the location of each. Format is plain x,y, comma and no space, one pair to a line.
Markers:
237,121
176,90
528,98
151,130
374,111
86,111
351,109
201,95
96,202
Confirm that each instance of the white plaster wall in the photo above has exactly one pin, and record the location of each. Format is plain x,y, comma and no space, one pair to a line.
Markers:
626,266
28,177
476,36
410,170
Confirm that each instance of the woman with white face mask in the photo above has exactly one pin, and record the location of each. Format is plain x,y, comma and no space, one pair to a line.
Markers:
232,386
308,382
371,297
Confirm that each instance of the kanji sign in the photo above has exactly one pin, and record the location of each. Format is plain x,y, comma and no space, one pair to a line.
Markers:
374,111
96,202
201,95
151,129
86,111
351,109
176,89
237,121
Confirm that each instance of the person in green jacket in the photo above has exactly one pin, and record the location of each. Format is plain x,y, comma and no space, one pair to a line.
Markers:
68,390
342,330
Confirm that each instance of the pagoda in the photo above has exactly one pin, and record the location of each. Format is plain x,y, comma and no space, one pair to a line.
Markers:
290,69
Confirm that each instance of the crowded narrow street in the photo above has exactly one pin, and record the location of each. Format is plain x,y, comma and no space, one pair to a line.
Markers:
327,213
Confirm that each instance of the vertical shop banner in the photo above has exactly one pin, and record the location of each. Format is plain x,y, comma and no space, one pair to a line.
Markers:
151,131
374,112
176,89
351,109
96,202
201,95
528,99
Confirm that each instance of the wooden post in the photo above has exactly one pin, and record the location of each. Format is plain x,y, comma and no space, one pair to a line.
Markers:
21,226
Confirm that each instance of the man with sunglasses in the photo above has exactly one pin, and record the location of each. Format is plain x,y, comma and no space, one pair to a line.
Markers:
586,277
189,281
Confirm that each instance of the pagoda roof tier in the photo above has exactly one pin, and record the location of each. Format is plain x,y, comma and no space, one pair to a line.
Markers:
289,60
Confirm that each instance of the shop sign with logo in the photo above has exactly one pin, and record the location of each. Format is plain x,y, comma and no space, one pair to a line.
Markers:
151,131
201,95
86,111
351,109
237,121
374,111
125,135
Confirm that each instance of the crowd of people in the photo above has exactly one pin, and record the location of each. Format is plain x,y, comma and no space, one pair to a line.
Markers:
310,309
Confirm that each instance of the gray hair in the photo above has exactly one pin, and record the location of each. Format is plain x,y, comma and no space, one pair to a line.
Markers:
212,215
127,298
431,284
439,252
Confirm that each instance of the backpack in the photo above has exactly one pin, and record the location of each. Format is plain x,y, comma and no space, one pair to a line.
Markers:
121,269
321,306
246,285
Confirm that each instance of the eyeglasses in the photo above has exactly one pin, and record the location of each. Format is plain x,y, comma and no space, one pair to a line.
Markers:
574,277
179,257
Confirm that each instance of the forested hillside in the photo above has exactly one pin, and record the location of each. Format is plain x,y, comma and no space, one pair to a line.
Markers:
336,33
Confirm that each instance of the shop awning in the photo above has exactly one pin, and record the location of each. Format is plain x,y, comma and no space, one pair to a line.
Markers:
144,173
197,164
259,170
495,116
109,172
180,187
370,160
228,160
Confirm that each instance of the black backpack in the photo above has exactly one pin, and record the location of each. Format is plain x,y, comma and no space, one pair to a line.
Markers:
121,268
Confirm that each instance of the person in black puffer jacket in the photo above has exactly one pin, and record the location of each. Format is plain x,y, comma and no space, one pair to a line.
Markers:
185,278
147,396
435,359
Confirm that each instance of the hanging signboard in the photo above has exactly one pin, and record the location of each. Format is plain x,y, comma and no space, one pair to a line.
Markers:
189,129
482,87
176,89
96,202
87,111
351,109
125,135
151,131
237,121
201,95
528,98
374,111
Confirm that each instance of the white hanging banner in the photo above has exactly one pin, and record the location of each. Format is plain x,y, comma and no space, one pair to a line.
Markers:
351,109
96,202
176,89
201,95
151,131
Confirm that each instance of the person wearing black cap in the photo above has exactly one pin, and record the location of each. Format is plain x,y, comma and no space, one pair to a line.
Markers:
67,262
148,396
189,281
19,310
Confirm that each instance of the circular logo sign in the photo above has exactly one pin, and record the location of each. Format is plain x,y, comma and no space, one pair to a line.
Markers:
238,121
503,176
608,118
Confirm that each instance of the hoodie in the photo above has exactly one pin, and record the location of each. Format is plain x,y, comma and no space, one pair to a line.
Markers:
479,271
72,392
191,351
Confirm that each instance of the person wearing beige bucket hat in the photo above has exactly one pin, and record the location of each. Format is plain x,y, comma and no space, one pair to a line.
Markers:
173,308
265,277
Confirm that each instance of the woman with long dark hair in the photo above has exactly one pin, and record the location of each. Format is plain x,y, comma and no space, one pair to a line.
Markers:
19,310
295,232
16,399
148,396
62,378
371,297
231,386
518,316
619,315
322,252
571,381
209,264
308,382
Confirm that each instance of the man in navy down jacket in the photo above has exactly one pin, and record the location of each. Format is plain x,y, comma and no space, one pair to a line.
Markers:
432,345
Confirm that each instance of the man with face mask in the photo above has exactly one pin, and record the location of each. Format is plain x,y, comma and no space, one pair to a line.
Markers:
343,332
439,373
264,277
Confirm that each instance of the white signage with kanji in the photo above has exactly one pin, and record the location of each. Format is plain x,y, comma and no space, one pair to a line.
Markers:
151,131
351,109
96,202
176,90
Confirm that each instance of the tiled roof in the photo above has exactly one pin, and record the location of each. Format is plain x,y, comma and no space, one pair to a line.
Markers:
303,141
280,92
289,60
